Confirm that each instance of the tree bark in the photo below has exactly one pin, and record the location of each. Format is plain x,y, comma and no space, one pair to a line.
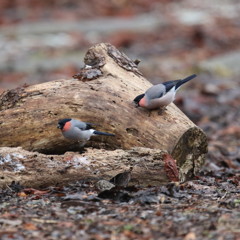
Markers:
101,94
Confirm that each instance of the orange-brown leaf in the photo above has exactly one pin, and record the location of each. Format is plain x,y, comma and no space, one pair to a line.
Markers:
170,167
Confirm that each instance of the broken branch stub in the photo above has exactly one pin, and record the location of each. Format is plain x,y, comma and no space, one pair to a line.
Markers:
29,115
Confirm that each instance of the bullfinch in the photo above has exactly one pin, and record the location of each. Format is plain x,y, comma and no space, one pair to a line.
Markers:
160,95
79,131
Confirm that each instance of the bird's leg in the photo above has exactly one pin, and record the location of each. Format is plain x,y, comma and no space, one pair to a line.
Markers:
162,110
149,113
82,143
82,150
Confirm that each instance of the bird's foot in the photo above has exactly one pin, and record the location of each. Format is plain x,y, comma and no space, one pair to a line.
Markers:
82,150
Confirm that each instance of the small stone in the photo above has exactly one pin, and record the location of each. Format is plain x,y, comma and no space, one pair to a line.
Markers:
103,185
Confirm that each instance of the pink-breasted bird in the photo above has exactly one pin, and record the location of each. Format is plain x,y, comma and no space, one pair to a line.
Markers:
160,95
79,131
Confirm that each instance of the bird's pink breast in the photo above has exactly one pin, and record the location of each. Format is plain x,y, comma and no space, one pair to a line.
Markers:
142,102
67,126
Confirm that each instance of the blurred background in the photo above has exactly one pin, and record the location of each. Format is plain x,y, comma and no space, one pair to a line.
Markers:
46,40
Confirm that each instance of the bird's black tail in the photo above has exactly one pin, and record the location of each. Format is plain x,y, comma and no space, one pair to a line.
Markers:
181,82
103,133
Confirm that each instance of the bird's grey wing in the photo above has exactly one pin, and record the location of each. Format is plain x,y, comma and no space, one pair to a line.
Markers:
156,91
81,125
170,84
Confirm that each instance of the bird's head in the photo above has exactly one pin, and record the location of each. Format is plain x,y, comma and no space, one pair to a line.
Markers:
63,122
137,99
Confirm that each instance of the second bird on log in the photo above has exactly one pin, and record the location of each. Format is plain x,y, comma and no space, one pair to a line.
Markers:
160,95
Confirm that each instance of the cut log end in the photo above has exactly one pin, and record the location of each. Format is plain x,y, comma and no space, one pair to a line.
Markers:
190,151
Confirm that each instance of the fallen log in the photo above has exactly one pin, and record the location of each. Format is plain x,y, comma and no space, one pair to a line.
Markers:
34,169
101,94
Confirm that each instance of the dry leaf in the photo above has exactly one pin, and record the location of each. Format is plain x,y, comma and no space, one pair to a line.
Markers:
29,226
22,194
190,236
170,167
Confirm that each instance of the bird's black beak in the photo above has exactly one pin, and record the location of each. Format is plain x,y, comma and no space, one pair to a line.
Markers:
135,104
58,126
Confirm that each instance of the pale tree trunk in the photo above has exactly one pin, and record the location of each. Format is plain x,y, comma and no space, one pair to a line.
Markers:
103,95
